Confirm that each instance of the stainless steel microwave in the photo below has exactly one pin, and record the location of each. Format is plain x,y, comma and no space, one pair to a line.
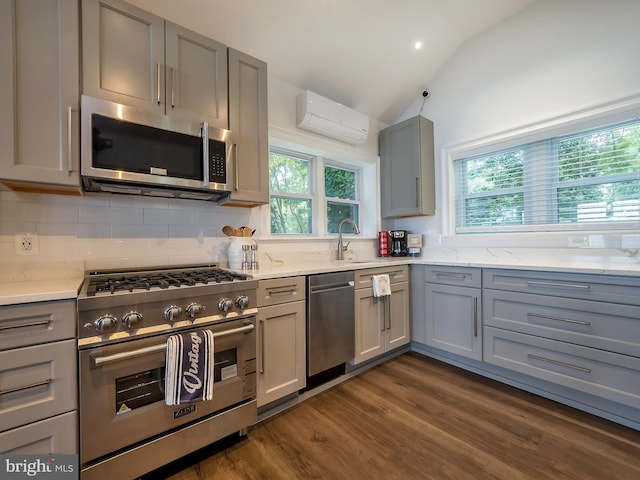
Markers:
129,151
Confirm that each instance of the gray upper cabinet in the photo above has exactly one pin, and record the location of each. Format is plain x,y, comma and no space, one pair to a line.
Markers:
248,122
133,57
407,172
39,131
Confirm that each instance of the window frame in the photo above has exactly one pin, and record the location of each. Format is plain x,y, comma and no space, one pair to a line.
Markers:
342,201
319,201
625,110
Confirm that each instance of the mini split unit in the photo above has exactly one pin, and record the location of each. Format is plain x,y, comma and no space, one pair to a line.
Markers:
331,119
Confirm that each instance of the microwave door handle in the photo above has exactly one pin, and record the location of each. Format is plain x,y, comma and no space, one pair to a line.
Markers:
204,128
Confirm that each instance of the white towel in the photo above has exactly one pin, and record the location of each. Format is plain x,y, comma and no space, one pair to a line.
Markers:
189,372
381,285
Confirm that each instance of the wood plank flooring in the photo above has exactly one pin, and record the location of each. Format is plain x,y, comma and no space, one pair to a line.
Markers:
417,418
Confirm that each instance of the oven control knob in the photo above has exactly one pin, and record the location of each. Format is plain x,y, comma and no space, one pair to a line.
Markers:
105,323
132,319
225,305
242,302
171,313
194,309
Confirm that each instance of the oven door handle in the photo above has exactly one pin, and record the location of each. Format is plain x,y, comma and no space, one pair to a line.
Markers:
104,360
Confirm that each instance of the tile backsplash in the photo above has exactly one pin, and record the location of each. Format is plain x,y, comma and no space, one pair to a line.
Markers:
97,231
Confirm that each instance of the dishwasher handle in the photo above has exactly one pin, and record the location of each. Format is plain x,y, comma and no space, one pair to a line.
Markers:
331,286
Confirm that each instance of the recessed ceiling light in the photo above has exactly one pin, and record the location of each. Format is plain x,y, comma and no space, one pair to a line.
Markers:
418,45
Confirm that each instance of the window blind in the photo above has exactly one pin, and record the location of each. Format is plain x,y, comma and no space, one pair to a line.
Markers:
584,180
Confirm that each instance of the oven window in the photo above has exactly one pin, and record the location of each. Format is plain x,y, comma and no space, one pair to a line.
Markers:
140,389
226,365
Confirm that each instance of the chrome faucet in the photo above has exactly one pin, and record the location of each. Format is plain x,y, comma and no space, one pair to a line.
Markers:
341,247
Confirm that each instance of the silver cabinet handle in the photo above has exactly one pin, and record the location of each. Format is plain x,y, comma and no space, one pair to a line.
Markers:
69,140
475,316
158,82
417,192
173,92
559,319
459,276
26,387
388,301
98,361
281,290
25,325
556,362
571,286
261,321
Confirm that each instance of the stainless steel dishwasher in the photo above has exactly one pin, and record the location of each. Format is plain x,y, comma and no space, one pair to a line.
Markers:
330,320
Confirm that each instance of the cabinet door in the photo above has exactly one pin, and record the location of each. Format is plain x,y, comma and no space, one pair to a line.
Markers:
248,122
398,321
123,54
196,76
39,132
453,319
370,313
406,166
281,351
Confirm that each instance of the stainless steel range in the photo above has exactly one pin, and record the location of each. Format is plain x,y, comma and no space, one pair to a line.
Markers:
124,320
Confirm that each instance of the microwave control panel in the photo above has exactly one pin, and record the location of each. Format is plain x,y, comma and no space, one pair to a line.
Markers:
217,162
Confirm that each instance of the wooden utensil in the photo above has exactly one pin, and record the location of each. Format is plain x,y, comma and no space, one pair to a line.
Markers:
228,230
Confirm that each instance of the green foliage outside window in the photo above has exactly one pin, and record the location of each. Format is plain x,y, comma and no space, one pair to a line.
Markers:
586,177
340,184
291,210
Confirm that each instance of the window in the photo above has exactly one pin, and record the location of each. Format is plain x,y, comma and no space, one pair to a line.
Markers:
303,202
290,186
582,180
340,186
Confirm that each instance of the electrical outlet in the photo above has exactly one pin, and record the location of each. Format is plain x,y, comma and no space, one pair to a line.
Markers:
26,244
577,241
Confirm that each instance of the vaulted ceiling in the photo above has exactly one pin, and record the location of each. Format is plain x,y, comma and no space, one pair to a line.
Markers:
358,52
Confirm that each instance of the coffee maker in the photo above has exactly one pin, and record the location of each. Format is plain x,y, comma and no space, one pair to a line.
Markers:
398,243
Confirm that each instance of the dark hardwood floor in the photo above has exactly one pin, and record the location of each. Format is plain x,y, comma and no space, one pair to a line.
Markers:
417,418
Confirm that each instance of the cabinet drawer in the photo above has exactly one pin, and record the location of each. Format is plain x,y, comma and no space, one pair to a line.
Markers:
56,435
397,274
28,324
604,374
602,288
280,290
463,276
607,326
37,382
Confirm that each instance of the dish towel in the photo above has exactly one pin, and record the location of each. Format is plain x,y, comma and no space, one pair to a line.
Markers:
381,285
189,373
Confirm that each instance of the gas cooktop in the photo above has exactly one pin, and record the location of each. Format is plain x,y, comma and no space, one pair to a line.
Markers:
113,281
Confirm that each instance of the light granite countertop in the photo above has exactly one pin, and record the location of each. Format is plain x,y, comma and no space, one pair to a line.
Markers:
523,259
39,290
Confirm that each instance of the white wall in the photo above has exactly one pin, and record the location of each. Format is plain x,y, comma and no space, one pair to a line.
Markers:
554,58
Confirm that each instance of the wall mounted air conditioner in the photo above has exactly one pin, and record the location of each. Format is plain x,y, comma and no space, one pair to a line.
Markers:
331,119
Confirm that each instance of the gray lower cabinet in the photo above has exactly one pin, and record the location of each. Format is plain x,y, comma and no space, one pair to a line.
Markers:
38,378
407,168
133,57
581,331
281,337
249,124
453,308
39,98
382,323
